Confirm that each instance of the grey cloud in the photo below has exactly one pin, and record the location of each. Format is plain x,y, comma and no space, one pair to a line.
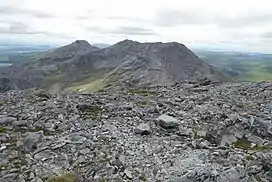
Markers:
86,14
19,28
130,19
9,10
123,30
267,35
96,29
133,31
250,19
83,17
171,17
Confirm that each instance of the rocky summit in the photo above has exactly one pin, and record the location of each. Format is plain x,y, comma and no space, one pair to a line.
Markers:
190,132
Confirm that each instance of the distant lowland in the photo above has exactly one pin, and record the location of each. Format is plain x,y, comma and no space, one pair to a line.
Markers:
17,54
256,67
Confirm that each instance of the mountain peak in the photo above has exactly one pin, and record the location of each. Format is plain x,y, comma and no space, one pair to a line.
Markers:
127,42
76,48
81,42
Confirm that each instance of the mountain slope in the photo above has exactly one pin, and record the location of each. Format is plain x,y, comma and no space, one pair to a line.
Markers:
129,64
77,48
43,70
80,66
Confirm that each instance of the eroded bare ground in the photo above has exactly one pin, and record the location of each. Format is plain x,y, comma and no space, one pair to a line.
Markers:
190,132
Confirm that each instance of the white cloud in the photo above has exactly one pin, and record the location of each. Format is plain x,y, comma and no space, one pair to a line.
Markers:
210,22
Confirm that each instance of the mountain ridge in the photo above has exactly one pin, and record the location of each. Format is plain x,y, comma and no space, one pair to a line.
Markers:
68,66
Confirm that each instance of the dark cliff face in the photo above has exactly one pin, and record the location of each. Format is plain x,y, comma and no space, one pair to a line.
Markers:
78,61
5,84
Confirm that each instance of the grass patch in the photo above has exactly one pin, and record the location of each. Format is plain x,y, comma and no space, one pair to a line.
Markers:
143,177
95,86
94,82
92,111
67,177
23,130
241,105
102,179
242,144
249,157
11,143
2,129
105,88
262,147
142,92
141,103
18,162
246,145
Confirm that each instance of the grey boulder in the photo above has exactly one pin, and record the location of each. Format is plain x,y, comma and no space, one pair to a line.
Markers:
143,129
30,142
6,120
167,122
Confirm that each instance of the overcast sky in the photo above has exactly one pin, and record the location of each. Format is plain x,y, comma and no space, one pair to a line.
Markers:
234,24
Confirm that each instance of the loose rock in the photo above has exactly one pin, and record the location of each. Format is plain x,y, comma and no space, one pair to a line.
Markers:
167,121
143,129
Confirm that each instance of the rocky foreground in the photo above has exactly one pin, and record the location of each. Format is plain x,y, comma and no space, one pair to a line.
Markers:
186,133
